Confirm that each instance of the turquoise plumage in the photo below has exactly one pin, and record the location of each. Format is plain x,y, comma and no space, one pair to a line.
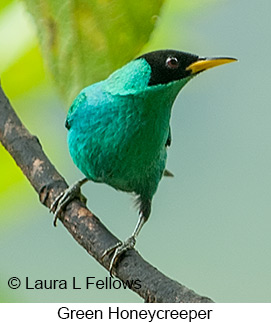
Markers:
119,128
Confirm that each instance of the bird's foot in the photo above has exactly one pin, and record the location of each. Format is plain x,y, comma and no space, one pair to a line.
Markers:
64,198
118,250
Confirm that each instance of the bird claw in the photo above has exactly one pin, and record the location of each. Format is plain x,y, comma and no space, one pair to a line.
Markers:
54,205
64,198
118,250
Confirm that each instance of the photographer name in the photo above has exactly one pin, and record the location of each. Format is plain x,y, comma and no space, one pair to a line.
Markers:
87,283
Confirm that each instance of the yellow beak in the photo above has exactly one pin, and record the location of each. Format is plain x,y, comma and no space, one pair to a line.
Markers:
205,63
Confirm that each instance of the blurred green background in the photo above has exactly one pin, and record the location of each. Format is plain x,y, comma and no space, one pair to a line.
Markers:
210,224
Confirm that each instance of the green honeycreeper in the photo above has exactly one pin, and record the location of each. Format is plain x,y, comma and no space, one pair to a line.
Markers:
119,128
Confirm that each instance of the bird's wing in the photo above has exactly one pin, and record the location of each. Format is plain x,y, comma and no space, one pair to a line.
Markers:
79,101
167,173
168,142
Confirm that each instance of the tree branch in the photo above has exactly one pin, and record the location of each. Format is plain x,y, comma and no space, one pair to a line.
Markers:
83,225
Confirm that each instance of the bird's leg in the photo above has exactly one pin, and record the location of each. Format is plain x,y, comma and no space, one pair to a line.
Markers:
129,243
66,197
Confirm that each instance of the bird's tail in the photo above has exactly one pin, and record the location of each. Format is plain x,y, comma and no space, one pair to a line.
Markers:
144,206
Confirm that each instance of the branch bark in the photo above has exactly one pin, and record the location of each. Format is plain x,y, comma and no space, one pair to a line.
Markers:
83,225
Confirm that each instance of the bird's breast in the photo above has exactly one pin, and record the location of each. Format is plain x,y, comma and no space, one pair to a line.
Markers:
123,143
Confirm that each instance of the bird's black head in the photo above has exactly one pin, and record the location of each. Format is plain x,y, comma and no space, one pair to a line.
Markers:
172,65
168,65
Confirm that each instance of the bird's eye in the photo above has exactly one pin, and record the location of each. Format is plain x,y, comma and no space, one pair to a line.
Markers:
172,63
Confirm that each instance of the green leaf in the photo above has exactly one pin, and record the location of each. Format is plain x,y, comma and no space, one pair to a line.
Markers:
5,3
83,41
28,71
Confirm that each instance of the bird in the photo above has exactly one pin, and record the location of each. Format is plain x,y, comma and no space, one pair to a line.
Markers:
119,129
